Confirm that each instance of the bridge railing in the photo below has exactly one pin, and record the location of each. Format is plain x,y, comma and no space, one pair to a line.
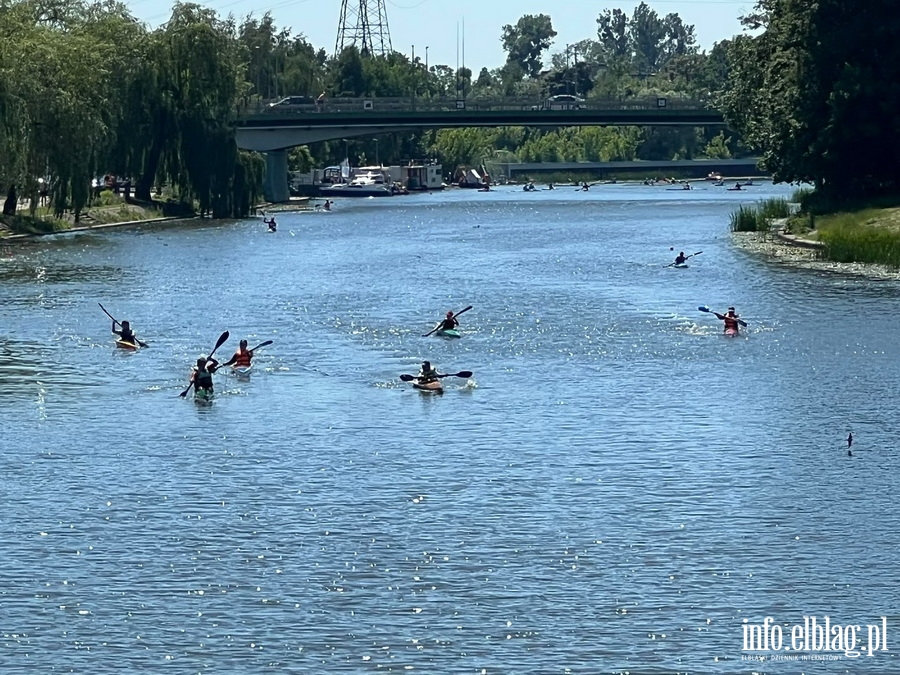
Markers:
410,104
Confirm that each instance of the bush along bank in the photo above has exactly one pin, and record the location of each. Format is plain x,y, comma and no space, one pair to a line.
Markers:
864,233
759,217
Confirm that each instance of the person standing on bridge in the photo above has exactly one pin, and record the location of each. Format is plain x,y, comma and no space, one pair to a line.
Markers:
320,102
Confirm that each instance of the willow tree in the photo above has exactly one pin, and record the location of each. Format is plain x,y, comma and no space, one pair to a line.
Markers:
60,72
177,123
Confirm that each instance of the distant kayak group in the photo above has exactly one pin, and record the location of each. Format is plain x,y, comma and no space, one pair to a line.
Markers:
241,363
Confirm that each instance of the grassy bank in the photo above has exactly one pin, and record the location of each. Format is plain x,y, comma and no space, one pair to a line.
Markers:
25,224
870,235
105,210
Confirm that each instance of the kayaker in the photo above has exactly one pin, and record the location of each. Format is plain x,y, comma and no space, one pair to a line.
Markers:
201,376
271,223
680,259
427,373
242,357
730,318
450,322
849,439
126,333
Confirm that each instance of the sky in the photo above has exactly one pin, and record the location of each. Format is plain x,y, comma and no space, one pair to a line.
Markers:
434,23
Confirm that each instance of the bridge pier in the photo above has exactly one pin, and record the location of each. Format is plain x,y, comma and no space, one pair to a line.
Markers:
275,185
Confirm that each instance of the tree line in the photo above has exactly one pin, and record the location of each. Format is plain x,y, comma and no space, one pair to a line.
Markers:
86,89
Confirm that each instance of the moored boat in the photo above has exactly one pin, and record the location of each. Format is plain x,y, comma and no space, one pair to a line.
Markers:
368,184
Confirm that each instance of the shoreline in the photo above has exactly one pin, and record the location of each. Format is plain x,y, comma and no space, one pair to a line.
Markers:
804,254
87,228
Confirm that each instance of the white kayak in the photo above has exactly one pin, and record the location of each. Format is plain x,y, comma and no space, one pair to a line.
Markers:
242,371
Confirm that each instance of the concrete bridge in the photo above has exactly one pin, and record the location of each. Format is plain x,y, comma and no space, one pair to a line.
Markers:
274,128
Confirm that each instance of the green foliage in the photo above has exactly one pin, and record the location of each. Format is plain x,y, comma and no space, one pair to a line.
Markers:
107,198
717,148
749,219
759,217
644,42
775,207
819,93
525,42
801,194
852,238
31,225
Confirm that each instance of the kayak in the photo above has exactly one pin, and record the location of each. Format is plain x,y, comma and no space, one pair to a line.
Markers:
731,332
203,396
124,344
241,371
449,333
681,266
434,387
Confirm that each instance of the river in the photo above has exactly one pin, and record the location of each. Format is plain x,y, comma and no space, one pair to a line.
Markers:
617,488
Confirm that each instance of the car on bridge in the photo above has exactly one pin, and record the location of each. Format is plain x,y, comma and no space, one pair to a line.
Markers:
561,102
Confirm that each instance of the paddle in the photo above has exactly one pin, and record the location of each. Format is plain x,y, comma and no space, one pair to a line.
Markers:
708,310
454,316
462,373
142,344
222,338
685,257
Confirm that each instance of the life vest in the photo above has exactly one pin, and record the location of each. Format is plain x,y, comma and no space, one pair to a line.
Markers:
202,379
428,376
731,323
242,358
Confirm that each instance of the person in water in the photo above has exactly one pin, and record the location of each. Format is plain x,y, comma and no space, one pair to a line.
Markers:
427,373
201,376
680,258
242,357
730,318
126,334
449,322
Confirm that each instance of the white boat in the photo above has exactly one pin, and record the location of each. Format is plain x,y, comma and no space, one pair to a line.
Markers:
366,184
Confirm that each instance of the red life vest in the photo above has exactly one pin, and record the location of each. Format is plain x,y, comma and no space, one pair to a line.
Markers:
730,323
242,359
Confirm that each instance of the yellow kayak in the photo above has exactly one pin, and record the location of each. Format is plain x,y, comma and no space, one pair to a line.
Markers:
125,344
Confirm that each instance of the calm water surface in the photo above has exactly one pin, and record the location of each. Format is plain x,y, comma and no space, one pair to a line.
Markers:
615,490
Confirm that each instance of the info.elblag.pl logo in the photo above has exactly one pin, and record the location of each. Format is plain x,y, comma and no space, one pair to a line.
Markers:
815,638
